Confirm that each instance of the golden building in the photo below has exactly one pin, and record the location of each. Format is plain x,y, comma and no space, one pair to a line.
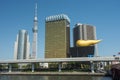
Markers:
57,36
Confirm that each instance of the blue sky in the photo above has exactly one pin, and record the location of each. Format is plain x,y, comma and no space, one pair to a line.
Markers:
19,14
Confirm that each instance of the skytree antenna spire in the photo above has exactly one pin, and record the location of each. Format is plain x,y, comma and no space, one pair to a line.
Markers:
36,10
35,32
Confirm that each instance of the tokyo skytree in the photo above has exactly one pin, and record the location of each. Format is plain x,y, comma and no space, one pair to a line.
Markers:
35,33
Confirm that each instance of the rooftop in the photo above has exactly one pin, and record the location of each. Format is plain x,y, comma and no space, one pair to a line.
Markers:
57,17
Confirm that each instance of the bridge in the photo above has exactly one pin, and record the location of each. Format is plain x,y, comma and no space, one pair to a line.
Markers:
61,60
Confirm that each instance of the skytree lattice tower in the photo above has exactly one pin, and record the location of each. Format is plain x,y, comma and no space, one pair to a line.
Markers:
35,32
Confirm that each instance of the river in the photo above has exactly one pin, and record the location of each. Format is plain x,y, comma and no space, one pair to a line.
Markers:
19,77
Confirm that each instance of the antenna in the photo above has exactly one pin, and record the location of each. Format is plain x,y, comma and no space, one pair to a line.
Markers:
36,9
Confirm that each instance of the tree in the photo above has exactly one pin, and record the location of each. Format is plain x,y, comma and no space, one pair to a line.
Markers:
14,65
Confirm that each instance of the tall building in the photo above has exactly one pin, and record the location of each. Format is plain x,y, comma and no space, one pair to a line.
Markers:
22,45
35,32
84,32
57,37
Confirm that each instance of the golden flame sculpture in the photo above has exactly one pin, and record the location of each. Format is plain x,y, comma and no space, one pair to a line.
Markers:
85,43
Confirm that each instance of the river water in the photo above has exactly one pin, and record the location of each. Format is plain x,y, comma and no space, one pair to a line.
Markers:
18,77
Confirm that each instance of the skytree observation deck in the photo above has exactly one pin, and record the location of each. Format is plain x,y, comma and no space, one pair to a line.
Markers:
57,17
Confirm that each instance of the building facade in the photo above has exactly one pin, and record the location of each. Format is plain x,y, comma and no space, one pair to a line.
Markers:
83,32
57,36
22,45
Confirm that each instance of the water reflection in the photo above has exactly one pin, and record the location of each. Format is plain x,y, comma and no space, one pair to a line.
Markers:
78,78
30,77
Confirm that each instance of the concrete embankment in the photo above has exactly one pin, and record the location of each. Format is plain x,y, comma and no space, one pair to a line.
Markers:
55,73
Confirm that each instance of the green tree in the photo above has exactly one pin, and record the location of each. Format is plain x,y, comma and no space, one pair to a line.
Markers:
0,66
36,65
14,65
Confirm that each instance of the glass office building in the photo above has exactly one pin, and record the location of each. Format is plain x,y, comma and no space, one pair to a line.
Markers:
57,36
22,45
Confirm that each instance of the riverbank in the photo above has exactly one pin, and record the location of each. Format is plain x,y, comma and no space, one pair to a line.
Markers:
56,73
